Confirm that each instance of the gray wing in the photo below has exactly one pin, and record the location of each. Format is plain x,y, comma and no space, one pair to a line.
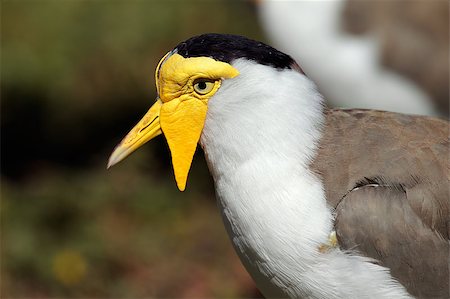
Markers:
387,176
379,222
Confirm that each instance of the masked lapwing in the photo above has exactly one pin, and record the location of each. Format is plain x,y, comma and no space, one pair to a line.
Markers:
313,33
318,203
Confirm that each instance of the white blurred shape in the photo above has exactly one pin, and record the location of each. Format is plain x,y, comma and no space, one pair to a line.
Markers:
345,67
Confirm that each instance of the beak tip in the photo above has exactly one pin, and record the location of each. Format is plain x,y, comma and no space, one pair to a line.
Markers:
112,161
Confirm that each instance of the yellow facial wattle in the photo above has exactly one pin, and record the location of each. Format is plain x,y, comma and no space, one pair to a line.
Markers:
184,87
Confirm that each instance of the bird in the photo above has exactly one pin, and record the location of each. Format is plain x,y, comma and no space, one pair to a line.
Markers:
312,32
317,202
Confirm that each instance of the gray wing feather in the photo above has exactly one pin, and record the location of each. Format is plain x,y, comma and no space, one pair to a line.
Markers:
387,177
379,222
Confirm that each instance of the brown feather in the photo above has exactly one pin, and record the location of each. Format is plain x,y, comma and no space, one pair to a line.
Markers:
387,176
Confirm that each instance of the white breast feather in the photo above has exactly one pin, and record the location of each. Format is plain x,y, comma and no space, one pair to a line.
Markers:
260,134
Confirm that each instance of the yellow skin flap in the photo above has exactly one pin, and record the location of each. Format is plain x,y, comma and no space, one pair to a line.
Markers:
185,86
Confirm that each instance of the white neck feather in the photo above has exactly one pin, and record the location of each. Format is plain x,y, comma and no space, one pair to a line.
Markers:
261,132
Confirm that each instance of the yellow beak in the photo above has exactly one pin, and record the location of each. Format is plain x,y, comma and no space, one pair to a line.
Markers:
145,130
182,123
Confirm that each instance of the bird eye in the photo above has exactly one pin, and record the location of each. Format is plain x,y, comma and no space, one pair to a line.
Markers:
203,86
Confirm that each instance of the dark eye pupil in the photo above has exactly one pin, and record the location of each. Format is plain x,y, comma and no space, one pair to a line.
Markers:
201,85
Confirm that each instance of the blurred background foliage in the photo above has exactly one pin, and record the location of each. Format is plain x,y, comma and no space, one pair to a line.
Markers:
75,77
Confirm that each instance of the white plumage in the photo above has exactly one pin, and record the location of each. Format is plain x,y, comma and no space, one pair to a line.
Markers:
277,231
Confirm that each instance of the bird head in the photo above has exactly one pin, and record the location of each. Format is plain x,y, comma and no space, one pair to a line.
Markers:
187,78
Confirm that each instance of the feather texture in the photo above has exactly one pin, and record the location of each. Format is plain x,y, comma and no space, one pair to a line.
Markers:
262,131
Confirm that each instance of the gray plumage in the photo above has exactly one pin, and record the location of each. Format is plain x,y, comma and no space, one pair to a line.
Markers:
387,177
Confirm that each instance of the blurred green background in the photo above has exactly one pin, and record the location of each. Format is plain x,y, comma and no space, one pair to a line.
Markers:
76,76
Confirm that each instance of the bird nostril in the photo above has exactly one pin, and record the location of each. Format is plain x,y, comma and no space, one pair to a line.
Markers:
142,129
